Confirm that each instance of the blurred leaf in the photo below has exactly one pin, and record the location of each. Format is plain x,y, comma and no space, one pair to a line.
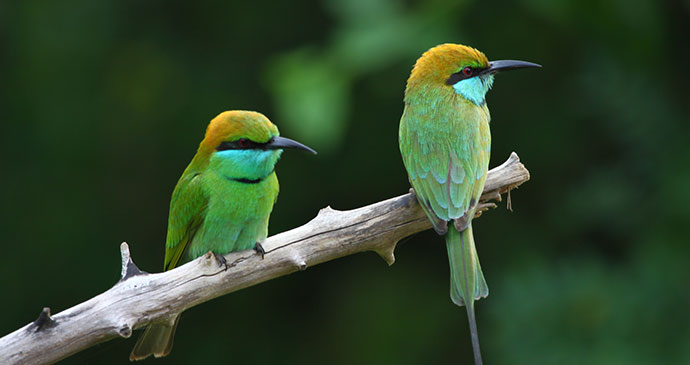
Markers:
311,98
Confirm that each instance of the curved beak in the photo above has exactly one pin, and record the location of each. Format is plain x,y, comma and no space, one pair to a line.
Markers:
277,143
507,65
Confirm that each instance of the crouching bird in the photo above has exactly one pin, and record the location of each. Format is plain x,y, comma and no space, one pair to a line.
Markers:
221,203
445,144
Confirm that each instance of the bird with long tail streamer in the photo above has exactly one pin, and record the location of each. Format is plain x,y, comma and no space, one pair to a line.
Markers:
445,144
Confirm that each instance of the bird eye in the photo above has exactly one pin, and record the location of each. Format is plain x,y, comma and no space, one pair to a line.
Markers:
467,71
243,142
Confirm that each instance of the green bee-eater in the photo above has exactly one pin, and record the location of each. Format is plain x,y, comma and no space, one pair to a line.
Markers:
221,203
445,144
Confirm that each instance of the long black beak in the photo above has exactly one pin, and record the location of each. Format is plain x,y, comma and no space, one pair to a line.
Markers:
507,65
277,143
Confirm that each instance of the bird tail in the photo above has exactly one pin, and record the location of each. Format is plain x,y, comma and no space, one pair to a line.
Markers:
157,340
467,282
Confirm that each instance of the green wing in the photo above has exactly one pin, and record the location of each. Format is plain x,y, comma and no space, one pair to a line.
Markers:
187,212
446,165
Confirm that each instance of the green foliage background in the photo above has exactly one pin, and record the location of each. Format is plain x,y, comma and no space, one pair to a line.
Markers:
104,102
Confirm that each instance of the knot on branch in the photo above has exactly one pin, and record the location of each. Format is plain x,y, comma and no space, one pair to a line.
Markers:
125,331
44,321
387,253
327,211
129,269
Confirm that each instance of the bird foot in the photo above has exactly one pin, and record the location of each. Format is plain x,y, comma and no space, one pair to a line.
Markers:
260,250
221,260
482,207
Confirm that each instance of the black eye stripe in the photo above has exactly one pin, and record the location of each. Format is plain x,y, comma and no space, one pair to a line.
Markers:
459,76
241,144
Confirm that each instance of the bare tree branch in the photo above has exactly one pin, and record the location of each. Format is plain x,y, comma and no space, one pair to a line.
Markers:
139,298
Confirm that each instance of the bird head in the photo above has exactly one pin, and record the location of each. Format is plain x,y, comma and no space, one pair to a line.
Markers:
244,145
459,69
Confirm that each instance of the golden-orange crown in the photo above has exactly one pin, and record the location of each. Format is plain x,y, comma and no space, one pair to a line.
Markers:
438,63
236,124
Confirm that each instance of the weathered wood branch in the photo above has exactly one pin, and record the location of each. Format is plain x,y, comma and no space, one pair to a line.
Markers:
139,298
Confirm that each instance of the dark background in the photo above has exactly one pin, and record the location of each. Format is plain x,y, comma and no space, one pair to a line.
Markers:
103,104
